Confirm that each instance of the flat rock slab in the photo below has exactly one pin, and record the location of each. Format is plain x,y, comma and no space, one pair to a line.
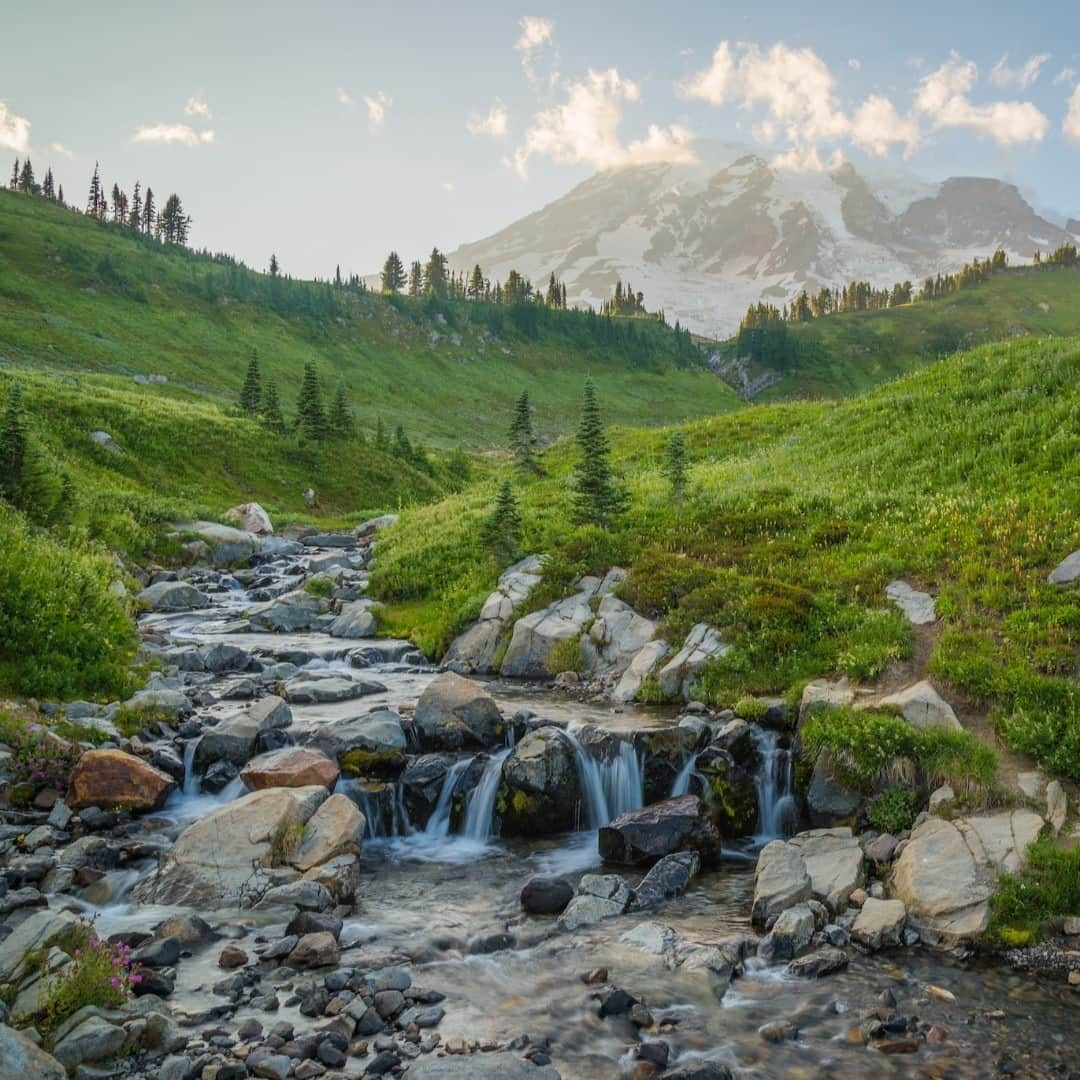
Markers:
834,860
311,688
918,607
922,706
780,881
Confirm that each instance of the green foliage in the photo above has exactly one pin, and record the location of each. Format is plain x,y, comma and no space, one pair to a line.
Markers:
285,842
251,396
320,585
675,465
893,810
501,533
27,479
598,499
38,759
310,415
749,708
340,422
522,440
1047,886
270,409
566,655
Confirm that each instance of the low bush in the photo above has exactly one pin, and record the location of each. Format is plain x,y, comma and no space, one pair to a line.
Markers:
893,810
39,758
566,655
1047,886
320,586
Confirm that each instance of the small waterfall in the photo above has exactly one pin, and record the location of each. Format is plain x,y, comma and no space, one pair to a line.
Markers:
481,801
682,781
438,826
510,737
776,803
191,778
610,787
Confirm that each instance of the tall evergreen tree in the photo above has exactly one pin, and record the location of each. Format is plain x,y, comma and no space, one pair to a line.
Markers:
597,496
501,530
521,435
275,268
174,222
251,391
93,201
416,278
380,434
476,284
60,195
675,465
48,187
402,448
340,420
310,414
393,274
135,216
436,282
27,183
13,183
149,212
271,408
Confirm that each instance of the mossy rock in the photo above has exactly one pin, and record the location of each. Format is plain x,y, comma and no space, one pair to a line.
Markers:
371,762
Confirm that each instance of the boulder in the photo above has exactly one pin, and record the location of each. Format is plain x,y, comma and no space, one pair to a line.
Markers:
225,859
326,687
781,880
172,596
922,706
942,801
421,784
599,896
154,705
541,791
226,544
643,836
106,442
336,828
92,1040
1056,806
817,964
639,669
315,950
947,870
290,767
289,613
36,933
111,778
670,877
828,802
20,1057
791,933
617,635
825,694
678,675
1067,571
834,860
233,737
546,896
879,924
370,744
918,607
454,713
374,525
537,633
251,518
356,620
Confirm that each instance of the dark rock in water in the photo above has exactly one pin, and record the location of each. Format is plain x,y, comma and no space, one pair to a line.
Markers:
188,929
657,1052
546,896
541,785
164,952
384,1062
454,713
731,791
815,965
313,922
421,784
219,776
617,1003
272,739
668,878
168,762
160,981
778,1031
699,1070
643,836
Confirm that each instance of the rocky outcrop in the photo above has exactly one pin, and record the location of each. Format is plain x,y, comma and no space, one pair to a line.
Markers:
541,791
670,877
172,596
643,836
825,694
367,529
364,744
474,650
225,544
250,517
922,706
111,778
599,896
879,924
324,687
616,637
335,829
828,802
678,675
233,738
21,1057
235,854
918,607
453,713
639,669
290,767
791,934
947,870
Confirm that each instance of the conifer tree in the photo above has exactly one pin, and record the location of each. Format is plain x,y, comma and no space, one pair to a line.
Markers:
416,278
402,448
60,195
521,435
27,183
251,391
675,465
436,282
501,530
380,434
341,422
13,183
597,497
310,414
48,188
271,408
393,274
12,444
275,267
174,222
93,201
135,217
475,290
149,212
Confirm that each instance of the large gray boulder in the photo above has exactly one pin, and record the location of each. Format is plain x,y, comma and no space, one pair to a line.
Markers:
828,802
947,871
922,706
781,880
834,860
879,925
918,607
639,669
453,713
20,1057
643,836
670,877
599,896
616,637
289,613
233,738
541,787
791,934
227,545
678,676
373,525
172,596
825,694
356,620
1067,571
537,633
475,649
250,517
378,732
324,687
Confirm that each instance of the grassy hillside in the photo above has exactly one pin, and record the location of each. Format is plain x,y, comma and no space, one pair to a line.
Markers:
963,478
851,352
77,295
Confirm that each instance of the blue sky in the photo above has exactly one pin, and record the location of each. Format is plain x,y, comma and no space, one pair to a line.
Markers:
329,132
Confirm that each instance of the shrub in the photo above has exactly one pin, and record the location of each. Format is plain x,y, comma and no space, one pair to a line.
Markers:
99,974
892,811
320,586
286,841
566,655
38,758
751,708
1048,885
660,579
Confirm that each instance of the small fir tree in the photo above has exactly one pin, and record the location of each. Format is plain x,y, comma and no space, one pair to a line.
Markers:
341,421
310,414
501,530
598,498
393,274
675,465
402,448
380,434
271,408
521,435
251,391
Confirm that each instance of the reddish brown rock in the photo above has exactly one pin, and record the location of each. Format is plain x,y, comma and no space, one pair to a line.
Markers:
232,956
291,766
111,778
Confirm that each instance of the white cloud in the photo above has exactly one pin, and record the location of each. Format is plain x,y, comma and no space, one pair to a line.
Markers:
1071,127
1023,76
344,98
534,33
376,108
1064,76
62,150
494,124
182,134
14,131
943,95
876,125
854,64
585,129
196,106
807,159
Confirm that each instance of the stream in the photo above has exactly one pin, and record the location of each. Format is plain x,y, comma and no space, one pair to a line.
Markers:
445,902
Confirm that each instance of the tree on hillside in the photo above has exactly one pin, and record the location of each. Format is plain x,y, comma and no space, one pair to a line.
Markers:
275,268
380,434
310,414
340,420
522,440
60,195
251,391
501,529
27,183
94,199
13,183
271,408
48,186
436,282
402,448
675,465
135,216
475,290
393,274
416,278
12,443
175,224
597,496
149,212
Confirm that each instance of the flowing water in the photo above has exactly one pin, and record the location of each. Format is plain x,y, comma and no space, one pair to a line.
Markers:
681,785
777,813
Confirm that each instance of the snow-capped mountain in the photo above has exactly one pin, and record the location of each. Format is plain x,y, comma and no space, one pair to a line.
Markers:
704,241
